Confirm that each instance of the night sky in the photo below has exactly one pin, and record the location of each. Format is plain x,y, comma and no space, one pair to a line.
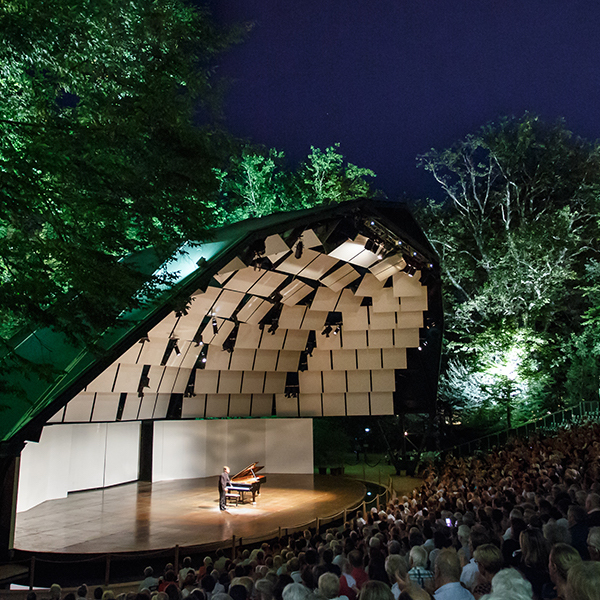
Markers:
390,79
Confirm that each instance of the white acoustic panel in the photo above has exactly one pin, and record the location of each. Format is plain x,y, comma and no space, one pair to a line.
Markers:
409,320
289,447
153,351
242,359
105,407
131,408
226,303
334,405
206,381
295,340
248,336
348,302
131,357
181,381
105,381
413,303
161,406
331,342
58,417
167,380
262,405
404,285
190,352
217,359
369,359
360,381
334,382
354,339
382,403
314,319
381,320
357,404
381,338
291,317
244,279
268,283
239,405
288,360
79,409
319,361
293,265
286,407
385,301
358,320
369,286
230,382
325,299
394,358
295,292
233,265
406,338
163,329
340,278
274,245
388,267
147,407
310,405
224,329
217,405
310,382
383,381
254,310
275,383
266,360
318,267
88,451
122,453
272,341
253,382
344,360
193,407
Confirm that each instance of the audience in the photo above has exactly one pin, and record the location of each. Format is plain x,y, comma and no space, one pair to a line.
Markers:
519,522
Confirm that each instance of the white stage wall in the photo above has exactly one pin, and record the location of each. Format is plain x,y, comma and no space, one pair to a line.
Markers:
77,457
188,449
71,457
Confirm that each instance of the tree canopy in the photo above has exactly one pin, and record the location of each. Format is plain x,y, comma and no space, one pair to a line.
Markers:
516,230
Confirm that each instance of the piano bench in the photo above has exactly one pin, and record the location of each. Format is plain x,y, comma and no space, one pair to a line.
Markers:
231,497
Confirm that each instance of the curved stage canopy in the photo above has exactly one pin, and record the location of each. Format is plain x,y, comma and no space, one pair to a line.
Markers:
324,312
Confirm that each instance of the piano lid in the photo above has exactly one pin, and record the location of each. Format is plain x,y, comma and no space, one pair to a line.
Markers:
247,472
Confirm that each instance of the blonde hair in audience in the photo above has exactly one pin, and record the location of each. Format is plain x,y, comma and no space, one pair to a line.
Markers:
583,581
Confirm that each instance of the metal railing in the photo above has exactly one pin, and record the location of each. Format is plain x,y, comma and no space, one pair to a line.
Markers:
234,544
585,411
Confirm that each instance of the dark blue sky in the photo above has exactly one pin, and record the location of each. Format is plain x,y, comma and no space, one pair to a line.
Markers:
389,79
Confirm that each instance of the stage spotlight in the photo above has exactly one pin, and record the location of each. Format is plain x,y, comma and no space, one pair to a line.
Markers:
198,339
144,338
201,362
215,325
177,350
299,249
273,327
327,331
337,329
311,342
370,245
303,362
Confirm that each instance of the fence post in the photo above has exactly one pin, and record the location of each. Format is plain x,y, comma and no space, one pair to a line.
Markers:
233,547
107,571
317,524
31,572
345,515
279,533
176,561
365,510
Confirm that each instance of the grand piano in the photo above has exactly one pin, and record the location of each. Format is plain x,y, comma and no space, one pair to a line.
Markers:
248,481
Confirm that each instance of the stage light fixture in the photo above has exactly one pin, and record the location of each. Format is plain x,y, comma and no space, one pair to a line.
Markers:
201,362
215,325
327,331
144,338
176,348
299,249
370,245
337,329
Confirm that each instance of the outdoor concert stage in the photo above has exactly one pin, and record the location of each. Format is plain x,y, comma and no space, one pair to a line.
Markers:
140,516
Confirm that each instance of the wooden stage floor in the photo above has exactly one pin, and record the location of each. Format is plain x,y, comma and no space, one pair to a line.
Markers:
150,516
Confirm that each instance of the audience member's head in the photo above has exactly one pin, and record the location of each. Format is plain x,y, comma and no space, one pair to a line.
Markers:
376,590
583,581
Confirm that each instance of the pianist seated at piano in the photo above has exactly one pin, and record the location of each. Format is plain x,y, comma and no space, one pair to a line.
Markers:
247,480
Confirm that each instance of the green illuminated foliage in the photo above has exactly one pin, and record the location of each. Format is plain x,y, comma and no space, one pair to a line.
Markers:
518,224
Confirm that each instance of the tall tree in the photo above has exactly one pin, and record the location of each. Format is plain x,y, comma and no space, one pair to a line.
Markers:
517,225
99,155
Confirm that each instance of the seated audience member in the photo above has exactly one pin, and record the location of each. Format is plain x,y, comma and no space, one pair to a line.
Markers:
562,558
358,573
149,582
55,591
173,592
169,578
534,559
593,543
583,581
329,587
264,589
578,528
296,591
185,568
238,592
489,560
509,584
395,566
376,590
418,573
188,584
592,506
69,596
447,578
470,571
